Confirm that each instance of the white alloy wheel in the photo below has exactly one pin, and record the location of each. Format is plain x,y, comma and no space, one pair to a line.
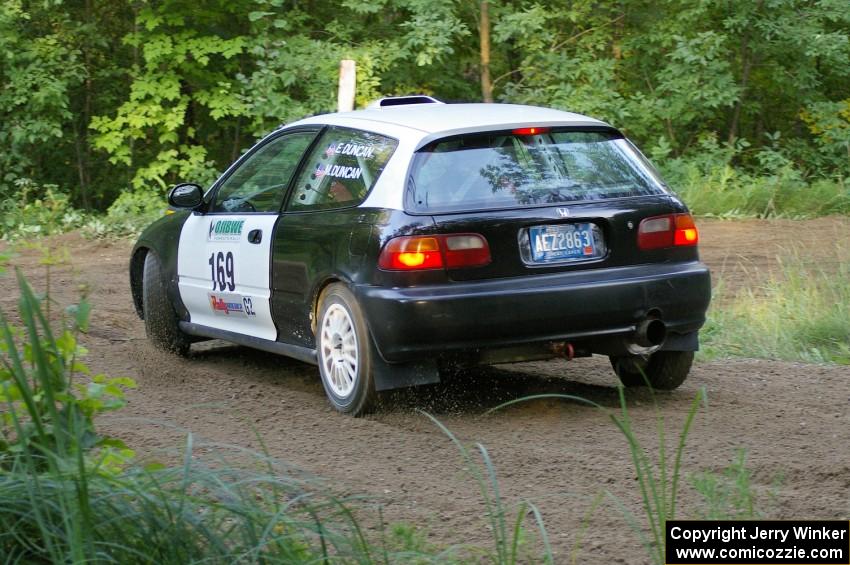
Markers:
339,350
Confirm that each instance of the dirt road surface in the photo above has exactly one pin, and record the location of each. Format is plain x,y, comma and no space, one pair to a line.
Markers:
793,419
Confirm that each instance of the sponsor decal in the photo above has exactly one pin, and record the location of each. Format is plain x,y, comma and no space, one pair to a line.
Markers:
337,171
231,305
225,230
355,149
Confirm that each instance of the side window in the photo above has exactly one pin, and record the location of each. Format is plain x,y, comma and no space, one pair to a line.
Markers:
259,184
341,169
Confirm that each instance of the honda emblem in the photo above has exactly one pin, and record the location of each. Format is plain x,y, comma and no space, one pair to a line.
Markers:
564,212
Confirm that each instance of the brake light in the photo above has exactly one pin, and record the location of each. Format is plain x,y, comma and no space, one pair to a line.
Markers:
406,253
414,253
530,131
671,230
686,231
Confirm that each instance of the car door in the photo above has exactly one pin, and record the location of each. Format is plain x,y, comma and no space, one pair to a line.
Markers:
323,233
224,254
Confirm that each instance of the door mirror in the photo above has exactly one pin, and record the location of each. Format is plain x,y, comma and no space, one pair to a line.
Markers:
186,195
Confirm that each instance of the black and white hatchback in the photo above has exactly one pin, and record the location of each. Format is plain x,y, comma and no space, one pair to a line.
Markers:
388,243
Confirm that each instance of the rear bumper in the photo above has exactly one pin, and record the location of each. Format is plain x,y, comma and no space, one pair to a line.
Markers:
592,308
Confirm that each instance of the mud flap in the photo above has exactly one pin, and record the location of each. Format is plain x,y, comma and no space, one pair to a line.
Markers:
681,342
388,376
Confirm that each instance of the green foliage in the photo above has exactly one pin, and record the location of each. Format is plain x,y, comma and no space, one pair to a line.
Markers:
659,473
509,534
181,74
39,63
801,313
37,210
106,98
128,215
50,397
729,494
712,186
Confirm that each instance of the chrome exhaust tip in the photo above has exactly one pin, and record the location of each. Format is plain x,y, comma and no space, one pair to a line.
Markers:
650,332
648,337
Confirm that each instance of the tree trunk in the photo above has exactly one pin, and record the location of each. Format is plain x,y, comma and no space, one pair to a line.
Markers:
80,144
484,34
736,112
81,141
237,139
747,62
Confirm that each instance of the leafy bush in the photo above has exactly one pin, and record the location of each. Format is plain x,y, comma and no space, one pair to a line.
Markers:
37,210
711,185
128,215
50,395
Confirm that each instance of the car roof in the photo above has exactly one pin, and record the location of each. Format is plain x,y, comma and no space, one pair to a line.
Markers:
433,120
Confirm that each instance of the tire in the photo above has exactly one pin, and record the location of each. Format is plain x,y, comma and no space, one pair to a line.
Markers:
344,352
161,321
665,370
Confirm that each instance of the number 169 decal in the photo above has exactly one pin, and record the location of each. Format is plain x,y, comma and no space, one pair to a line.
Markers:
222,271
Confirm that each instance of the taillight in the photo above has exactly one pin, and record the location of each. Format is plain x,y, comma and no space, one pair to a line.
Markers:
406,253
413,253
671,230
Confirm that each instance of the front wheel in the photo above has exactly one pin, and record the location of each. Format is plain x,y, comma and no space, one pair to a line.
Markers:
161,322
344,354
663,370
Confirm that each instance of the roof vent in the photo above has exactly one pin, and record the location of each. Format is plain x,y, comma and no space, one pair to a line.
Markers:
403,101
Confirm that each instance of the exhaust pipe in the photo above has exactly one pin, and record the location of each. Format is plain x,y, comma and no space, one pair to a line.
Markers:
650,332
648,338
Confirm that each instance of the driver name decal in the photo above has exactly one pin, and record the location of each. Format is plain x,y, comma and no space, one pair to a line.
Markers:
356,149
338,171
225,230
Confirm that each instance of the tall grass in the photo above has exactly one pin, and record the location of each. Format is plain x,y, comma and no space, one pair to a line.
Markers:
65,496
508,531
658,476
712,182
799,313
70,495
730,494
726,192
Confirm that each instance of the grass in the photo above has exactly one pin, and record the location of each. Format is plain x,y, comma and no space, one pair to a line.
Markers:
69,495
508,531
730,494
727,193
799,313
658,475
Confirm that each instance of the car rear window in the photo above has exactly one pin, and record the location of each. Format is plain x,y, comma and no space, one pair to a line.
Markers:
510,170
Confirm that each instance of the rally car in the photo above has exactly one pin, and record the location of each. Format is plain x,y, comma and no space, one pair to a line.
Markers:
386,244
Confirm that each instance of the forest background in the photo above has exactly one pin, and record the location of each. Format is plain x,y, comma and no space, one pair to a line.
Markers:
743,104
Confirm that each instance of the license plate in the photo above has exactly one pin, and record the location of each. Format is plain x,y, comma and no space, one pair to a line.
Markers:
564,242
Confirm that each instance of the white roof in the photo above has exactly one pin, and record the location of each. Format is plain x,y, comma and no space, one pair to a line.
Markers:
437,120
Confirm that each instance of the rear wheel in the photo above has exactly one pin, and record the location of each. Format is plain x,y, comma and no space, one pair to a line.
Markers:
344,355
664,370
161,322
